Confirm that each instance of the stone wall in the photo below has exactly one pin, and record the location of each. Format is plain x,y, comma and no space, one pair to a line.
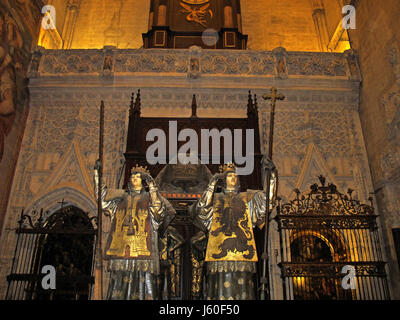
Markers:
378,44
268,23
19,23
317,126
118,23
286,23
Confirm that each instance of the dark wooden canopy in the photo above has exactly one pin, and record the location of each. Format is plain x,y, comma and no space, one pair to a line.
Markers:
139,127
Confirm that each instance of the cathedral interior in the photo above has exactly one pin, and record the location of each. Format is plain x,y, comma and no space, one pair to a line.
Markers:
77,76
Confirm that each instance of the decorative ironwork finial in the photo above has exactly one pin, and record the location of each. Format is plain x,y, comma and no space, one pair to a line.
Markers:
322,179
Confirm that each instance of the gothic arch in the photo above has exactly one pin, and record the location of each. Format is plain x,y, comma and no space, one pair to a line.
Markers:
333,239
50,202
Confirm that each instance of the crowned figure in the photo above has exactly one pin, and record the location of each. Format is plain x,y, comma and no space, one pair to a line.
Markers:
133,240
228,218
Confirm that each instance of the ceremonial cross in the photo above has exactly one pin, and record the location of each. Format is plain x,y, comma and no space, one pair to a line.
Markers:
264,279
273,96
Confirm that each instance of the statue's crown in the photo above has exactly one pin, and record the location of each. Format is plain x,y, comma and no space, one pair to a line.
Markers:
228,167
140,169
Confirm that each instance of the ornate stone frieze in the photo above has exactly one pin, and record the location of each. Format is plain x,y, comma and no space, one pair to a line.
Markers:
71,61
317,64
171,61
196,61
237,63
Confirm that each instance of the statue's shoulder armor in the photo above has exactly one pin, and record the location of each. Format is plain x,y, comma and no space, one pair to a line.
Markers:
250,194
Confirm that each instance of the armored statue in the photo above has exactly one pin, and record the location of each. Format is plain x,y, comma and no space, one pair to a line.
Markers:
132,246
228,219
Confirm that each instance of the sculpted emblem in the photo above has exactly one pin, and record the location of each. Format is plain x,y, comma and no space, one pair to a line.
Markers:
233,222
197,14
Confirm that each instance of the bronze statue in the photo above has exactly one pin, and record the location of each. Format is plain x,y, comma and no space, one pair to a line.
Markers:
229,218
132,247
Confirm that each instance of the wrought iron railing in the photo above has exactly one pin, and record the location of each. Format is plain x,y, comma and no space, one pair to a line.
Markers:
50,241
330,247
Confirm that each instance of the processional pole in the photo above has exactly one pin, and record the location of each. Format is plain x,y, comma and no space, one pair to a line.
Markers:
265,294
99,205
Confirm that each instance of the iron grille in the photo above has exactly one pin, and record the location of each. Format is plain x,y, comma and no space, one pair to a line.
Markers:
330,247
64,240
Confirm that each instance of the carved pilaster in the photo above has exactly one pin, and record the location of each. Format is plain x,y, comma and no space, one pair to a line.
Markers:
194,66
108,63
72,12
354,71
320,24
281,70
33,70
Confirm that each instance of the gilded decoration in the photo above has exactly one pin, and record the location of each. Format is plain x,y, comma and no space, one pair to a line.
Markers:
196,12
131,236
231,236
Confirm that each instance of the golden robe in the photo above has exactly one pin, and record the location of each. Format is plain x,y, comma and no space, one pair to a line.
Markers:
132,244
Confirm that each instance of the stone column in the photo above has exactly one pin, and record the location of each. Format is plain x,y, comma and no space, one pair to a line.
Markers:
70,22
239,16
162,14
320,24
228,15
151,16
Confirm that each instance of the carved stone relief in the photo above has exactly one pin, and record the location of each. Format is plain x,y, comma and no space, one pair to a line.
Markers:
390,160
316,64
278,63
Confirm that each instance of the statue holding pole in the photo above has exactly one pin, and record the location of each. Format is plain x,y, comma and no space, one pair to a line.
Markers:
229,218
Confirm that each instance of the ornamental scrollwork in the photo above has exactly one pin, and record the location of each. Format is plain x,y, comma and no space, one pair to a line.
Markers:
325,200
71,61
334,270
318,64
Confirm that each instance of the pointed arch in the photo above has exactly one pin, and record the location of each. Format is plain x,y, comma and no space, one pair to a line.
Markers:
50,202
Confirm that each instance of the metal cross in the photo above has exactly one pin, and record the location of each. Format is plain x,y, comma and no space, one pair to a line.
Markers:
273,96
264,279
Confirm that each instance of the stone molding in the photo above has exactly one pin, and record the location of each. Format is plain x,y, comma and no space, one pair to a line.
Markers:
187,62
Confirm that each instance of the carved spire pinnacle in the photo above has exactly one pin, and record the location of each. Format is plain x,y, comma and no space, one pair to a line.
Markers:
131,106
250,106
137,102
255,103
194,107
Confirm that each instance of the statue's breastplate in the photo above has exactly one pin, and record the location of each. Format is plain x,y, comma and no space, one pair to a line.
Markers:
130,236
231,235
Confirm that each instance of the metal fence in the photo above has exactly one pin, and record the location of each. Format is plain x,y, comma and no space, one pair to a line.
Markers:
330,247
65,241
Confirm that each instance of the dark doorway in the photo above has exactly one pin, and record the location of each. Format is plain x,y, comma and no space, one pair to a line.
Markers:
70,250
65,241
